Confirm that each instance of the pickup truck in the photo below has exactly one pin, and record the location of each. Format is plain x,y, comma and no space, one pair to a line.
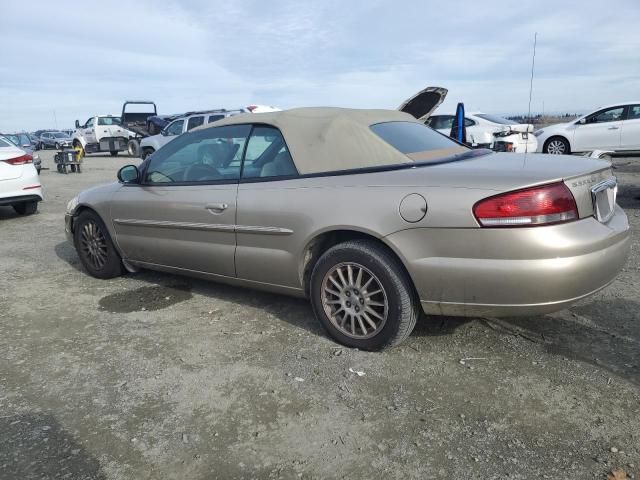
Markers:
108,133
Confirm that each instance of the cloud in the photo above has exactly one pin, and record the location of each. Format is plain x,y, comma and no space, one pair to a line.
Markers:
78,59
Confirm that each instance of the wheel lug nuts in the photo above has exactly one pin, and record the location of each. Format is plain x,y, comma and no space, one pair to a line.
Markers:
357,308
348,304
362,301
348,293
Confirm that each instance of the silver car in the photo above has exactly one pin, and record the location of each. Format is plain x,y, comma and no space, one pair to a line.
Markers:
370,214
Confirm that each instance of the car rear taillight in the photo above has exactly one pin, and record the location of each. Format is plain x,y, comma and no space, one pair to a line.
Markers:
542,205
251,108
21,160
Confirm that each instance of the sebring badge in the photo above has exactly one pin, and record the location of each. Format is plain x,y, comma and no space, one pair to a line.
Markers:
586,181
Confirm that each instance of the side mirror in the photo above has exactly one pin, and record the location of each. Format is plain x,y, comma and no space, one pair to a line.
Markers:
582,121
77,124
129,174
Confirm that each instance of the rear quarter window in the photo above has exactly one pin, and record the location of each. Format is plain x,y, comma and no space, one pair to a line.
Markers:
417,141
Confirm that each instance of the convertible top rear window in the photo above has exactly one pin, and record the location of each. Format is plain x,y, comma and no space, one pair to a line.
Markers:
417,141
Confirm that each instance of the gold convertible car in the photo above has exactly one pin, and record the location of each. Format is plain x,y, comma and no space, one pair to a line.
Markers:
370,214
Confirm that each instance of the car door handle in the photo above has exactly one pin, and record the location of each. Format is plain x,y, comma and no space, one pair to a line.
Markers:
613,128
217,207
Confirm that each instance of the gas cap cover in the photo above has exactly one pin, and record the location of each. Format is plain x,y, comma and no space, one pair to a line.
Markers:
413,208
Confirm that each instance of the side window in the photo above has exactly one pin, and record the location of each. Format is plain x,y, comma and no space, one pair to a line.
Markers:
610,115
468,122
91,122
215,118
205,156
87,124
634,112
194,122
175,128
267,155
442,122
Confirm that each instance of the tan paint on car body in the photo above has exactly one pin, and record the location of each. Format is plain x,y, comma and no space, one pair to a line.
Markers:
456,266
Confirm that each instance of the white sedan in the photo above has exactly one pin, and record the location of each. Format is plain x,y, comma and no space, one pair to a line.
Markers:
490,131
614,128
19,182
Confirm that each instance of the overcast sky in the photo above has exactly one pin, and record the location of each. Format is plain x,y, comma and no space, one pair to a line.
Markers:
82,58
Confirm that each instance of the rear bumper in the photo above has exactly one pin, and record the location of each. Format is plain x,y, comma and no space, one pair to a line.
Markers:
516,144
4,201
25,188
519,271
107,144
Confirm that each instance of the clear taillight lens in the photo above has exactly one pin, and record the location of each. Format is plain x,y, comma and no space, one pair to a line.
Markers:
542,205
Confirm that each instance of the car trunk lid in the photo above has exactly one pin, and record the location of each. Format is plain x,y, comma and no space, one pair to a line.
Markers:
503,172
423,103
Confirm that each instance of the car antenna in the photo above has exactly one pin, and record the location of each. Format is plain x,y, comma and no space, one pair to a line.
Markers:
533,66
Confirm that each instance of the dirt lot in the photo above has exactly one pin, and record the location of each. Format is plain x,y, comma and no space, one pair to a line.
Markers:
154,376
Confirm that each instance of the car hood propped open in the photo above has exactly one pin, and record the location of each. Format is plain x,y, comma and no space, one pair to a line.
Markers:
423,103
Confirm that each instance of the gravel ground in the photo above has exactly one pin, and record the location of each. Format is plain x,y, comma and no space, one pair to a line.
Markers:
154,376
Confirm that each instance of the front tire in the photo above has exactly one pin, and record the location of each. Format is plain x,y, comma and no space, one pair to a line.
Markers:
95,248
557,146
26,208
146,152
362,295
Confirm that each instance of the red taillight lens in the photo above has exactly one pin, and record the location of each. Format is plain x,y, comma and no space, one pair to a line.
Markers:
251,108
21,160
543,205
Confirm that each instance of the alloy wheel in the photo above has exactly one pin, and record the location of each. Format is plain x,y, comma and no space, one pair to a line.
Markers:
93,244
556,147
354,300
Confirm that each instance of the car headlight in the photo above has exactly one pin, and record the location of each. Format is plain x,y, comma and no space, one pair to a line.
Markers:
73,203
537,133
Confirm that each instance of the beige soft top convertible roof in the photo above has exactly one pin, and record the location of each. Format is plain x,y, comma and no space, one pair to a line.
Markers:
326,139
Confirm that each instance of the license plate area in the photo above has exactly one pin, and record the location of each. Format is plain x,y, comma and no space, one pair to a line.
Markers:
603,196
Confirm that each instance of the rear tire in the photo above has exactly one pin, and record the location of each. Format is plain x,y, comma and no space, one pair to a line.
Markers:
95,248
26,208
113,153
557,146
134,148
374,305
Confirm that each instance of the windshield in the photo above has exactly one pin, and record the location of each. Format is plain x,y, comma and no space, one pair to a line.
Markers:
108,120
496,119
59,135
4,143
417,141
24,139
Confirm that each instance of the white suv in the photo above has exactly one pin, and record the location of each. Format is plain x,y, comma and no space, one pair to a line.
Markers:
192,120
19,182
